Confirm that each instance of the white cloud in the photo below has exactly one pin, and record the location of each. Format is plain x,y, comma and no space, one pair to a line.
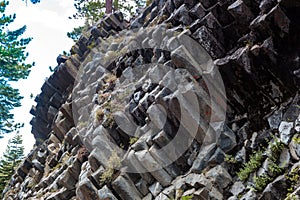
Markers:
36,16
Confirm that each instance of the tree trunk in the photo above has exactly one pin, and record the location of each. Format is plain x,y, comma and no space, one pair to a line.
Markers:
108,6
116,5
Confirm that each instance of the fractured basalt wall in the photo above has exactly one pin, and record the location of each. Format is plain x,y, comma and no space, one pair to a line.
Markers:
86,149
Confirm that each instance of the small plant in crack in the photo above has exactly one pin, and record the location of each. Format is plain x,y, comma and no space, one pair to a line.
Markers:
99,114
110,78
275,148
133,140
230,159
250,166
113,164
261,181
293,179
103,97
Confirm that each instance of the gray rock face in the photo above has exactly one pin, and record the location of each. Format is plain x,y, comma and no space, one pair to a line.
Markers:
237,188
125,188
275,119
297,124
227,139
241,11
266,5
155,189
149,162
215,194
86,190
67,180
61,194
250,195
165,87
198,11
285,131
105,193
220,176
177,3
141,185
197,180
203,157
38,165
182,15
209,42
284,158
276,189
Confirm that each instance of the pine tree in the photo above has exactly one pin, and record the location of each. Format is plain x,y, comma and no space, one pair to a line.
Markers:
12,68
12,157
93,10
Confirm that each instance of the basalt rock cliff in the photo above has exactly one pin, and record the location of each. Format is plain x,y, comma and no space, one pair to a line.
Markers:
222,75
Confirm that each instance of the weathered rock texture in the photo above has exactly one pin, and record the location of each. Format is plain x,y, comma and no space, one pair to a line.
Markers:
254,44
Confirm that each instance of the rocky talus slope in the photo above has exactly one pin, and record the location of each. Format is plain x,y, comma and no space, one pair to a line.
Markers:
189,100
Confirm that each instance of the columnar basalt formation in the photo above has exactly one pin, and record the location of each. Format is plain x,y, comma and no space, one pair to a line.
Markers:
148,68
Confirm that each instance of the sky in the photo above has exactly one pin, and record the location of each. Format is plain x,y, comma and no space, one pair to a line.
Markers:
47,23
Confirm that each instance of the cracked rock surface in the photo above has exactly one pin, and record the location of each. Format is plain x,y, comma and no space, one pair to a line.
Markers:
128,90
